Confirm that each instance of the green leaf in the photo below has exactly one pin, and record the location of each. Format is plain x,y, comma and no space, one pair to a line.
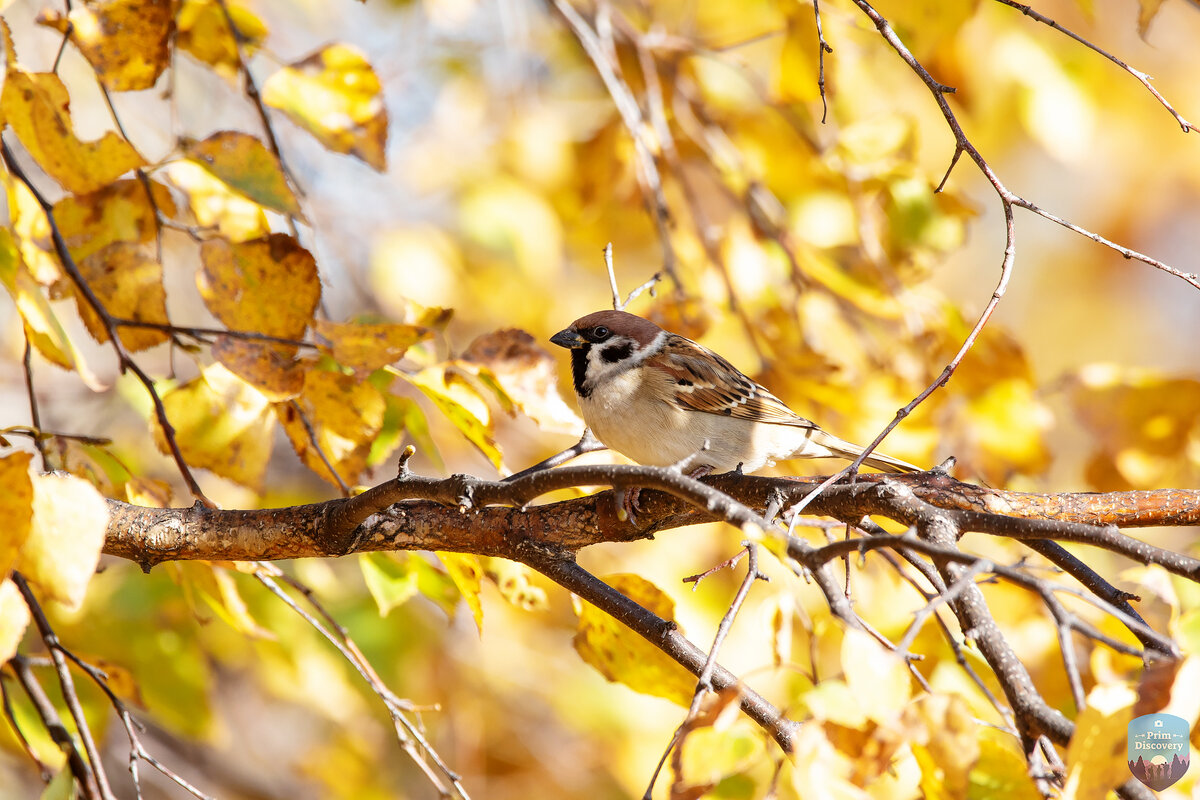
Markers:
245,164
389,581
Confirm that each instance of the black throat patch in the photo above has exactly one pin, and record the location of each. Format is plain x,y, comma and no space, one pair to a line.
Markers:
579,370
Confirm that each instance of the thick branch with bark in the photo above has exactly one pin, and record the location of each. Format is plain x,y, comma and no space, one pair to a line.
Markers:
495,518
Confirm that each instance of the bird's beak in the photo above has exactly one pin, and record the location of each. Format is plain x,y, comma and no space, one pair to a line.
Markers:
569,339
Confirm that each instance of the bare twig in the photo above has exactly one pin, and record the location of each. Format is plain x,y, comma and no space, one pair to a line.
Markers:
822,48
412,741
67,684
1141,77
704,684
631,115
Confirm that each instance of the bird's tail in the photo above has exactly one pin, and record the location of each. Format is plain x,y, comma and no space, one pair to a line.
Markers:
825,445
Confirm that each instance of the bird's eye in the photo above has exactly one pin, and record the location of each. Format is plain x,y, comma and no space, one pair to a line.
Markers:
600,333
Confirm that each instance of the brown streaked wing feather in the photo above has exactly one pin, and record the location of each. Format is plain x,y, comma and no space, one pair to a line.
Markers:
708,383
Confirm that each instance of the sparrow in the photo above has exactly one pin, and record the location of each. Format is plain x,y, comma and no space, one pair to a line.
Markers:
662,399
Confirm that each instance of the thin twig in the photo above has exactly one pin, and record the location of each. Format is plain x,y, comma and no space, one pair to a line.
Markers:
67,684
704,683
1141,77
412,741
631,115
35,417
822,48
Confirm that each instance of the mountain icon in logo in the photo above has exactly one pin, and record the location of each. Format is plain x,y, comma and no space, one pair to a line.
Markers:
1158,749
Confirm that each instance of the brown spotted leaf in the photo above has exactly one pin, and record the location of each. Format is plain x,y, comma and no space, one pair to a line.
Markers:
527,374
125,41
127,278
271,368
203,33
266,285
121,212
16,508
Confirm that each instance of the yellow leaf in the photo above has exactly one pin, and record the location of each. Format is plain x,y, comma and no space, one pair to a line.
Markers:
1005,427
878,678
42,327
395,578
1096,754
345,415
388,580
515,582
942,734
527,374
148,492
924,25
204,33
222,424
365,348
118,213
228,604
462,405
36,105
467,573
271,368
125,41
60,555
245,164
508,217
30,229
623,656
14,618
127,278
710,755
268,286
1001,770
215,205
1141,423
16,508
797,73
335,95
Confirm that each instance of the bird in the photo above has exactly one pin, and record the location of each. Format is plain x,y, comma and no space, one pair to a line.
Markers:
661,399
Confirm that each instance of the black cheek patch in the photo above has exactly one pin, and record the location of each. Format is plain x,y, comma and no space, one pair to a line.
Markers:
619,353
